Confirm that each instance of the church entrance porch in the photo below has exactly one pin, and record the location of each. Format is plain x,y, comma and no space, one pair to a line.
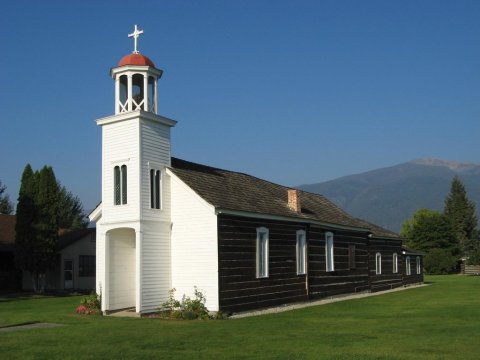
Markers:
121,272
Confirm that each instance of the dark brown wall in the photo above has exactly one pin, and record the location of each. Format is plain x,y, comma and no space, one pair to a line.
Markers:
343,279
414,278
387,279
239,289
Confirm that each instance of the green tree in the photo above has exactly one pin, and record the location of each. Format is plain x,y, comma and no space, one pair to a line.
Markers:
429,229
43,207
46,226
462,214
70,210
432,232
26,217
6,206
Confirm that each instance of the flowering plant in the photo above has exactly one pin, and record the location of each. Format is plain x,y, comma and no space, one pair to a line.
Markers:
89,305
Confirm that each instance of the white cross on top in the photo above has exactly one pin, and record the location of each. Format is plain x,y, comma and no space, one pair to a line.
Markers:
136,33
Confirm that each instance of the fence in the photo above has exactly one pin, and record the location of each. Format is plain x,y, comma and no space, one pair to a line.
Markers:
470,269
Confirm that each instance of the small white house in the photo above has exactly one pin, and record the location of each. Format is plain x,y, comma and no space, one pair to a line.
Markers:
75,265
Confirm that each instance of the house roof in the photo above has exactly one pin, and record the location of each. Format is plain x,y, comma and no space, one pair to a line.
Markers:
69,237
7,230
379,231
234,191
408,251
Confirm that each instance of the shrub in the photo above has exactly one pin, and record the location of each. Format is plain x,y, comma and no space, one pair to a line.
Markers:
439,261
187,308
90,304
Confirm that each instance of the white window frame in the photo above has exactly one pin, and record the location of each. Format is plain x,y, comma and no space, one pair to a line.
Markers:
395,263
301,249
262,252
419,270
378,263
123,188
160,186
329,252
408,269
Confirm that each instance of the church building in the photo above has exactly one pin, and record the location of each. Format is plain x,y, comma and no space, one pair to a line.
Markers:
246,243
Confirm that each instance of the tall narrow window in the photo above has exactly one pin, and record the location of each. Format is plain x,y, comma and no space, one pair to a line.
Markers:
395,263
329,251
301,251
120,184
408,270
262,252
155,189
419,266
124,184
116,176
378,263
351,256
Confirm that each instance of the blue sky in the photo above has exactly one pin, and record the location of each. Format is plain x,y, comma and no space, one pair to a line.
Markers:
290,91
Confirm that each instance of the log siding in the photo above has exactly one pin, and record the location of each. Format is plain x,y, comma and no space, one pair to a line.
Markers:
239,288
343,279
387,279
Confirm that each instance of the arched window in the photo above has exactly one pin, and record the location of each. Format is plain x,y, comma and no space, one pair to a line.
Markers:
262,252
155,189
151,94
137,92
120,184
301,251
419,265
378,263
395,263
329,260
123,106
408,270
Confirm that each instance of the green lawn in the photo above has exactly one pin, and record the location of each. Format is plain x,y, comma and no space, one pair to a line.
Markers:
438,321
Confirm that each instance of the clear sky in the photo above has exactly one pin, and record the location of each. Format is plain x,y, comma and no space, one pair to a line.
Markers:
290,91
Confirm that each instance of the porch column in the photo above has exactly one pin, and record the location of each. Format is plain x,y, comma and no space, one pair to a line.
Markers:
138,270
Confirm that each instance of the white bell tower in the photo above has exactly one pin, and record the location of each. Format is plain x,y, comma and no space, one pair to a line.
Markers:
136,81
134,222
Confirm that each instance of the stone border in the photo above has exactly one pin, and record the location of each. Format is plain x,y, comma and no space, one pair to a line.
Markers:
329,300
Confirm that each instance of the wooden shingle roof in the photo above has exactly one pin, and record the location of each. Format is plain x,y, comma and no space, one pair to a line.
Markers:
234,191
379,231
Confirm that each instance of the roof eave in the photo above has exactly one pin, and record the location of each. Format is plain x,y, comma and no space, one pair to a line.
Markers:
96,214
288,218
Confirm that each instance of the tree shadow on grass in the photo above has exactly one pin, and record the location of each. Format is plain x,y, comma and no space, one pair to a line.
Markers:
28,295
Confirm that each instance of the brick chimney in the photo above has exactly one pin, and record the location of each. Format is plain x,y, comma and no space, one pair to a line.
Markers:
294,200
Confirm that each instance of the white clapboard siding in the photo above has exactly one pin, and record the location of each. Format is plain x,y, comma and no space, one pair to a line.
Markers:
155,153
194,244
120,146
155,265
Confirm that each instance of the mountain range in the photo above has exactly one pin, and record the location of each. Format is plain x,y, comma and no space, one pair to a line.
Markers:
388,196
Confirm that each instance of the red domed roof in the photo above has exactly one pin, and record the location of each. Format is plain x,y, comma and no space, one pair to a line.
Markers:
136,59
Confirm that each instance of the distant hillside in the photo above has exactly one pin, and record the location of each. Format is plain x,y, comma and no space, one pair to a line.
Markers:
390,195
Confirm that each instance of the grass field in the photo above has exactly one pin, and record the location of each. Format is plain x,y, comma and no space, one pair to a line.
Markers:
440,321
